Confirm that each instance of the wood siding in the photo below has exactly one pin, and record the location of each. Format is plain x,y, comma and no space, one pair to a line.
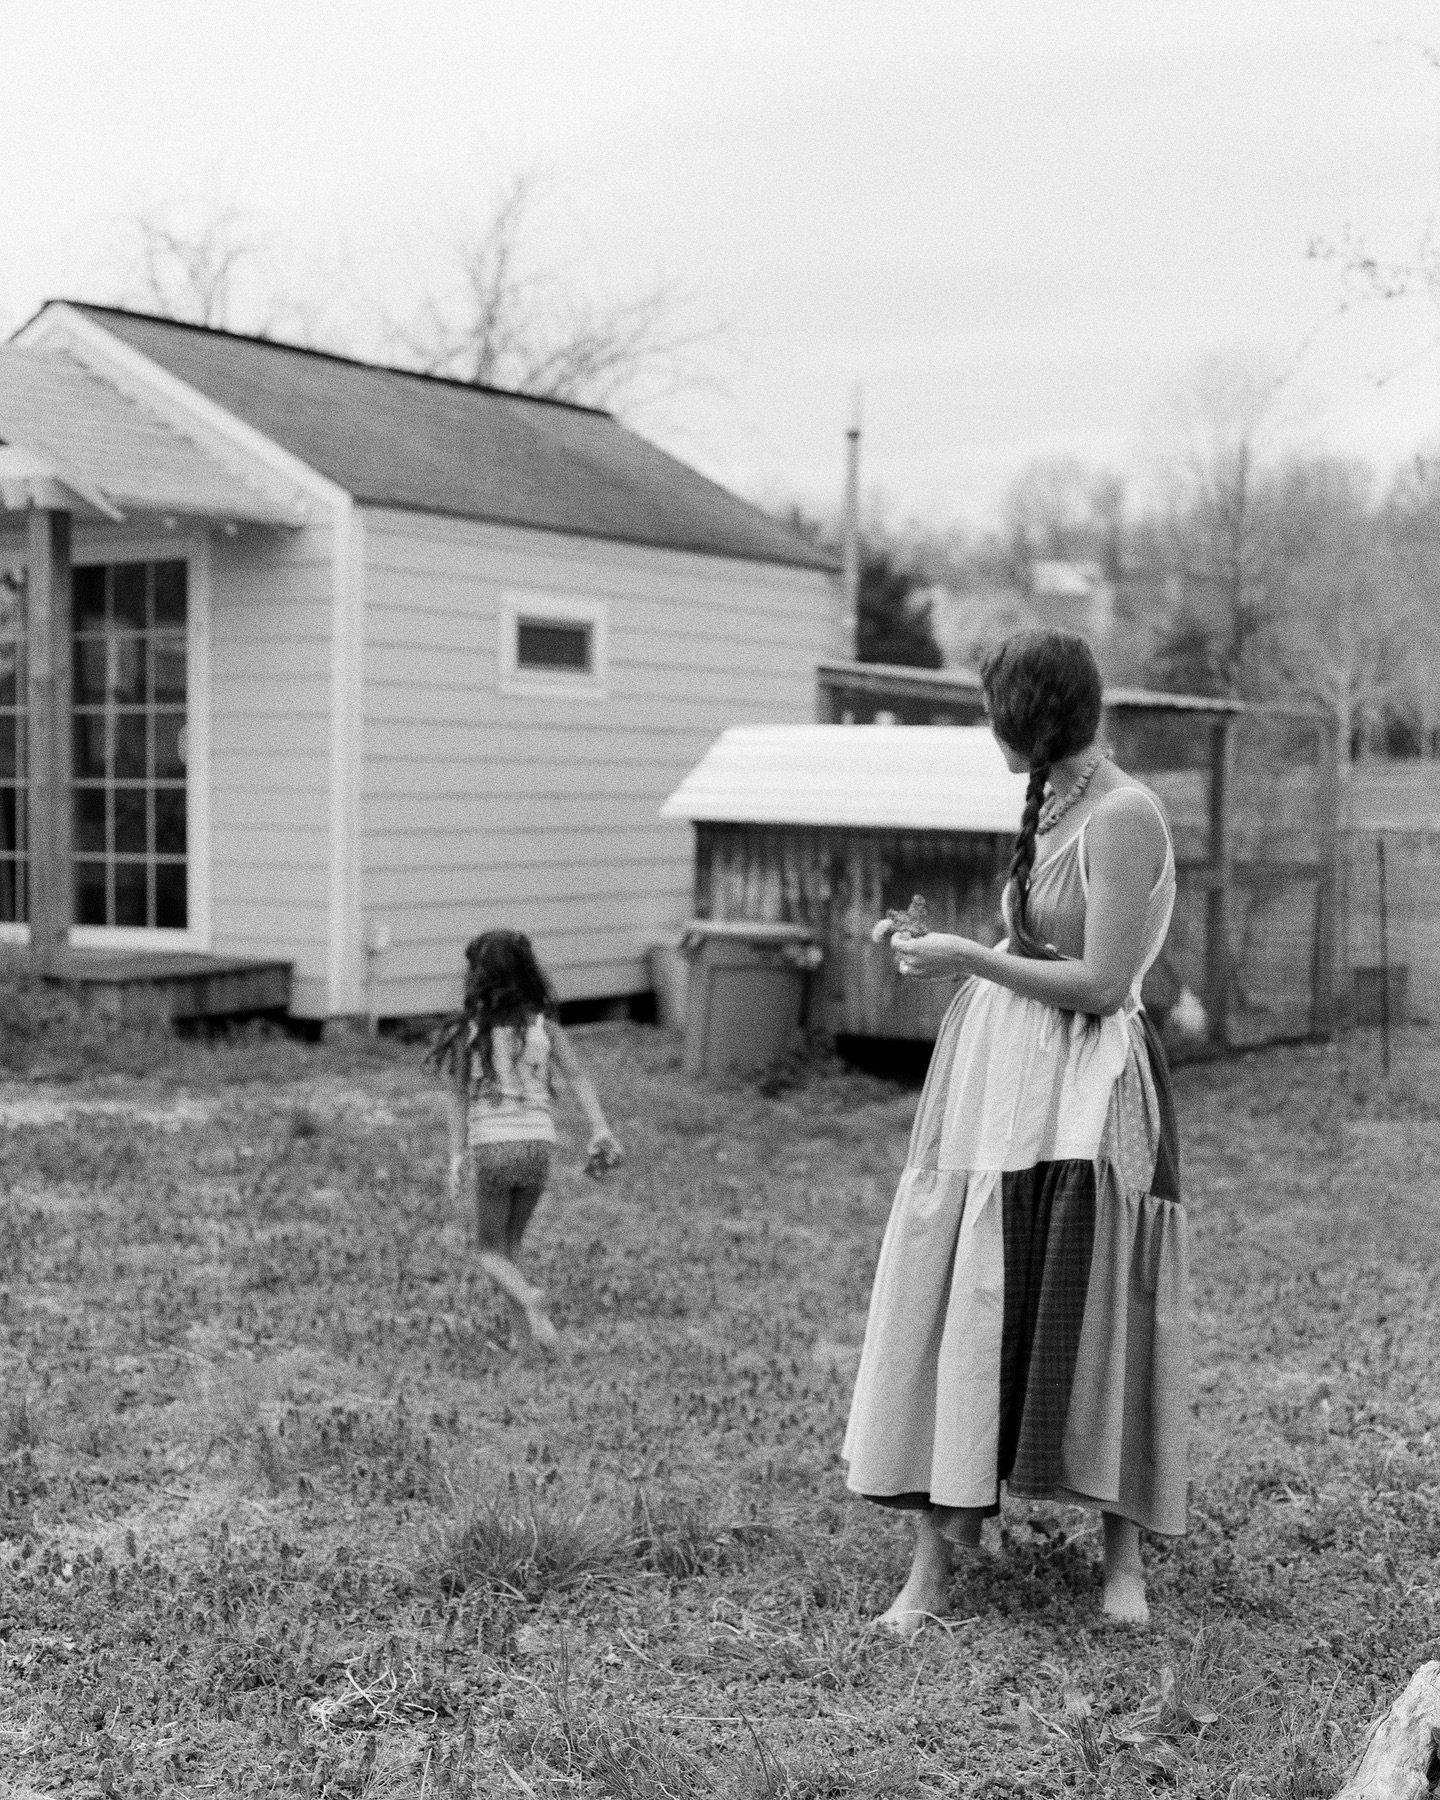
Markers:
271,608
838,882
485,808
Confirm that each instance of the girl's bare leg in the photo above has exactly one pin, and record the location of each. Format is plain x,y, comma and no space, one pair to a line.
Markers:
927,1587
494,1208
538,1323
1124,1572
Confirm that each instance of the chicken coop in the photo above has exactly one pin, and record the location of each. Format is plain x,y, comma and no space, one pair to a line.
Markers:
828,825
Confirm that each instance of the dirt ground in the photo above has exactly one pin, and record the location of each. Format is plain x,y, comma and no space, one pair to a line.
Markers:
284,1511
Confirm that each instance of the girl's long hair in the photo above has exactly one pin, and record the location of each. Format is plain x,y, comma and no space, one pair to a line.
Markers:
504,985
1043,698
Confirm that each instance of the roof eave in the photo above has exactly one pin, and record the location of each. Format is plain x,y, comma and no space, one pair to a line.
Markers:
287,488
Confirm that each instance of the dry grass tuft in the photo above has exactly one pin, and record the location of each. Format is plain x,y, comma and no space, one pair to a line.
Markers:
524,1548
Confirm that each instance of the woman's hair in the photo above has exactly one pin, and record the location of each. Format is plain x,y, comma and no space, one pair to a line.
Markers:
504,985
1043,698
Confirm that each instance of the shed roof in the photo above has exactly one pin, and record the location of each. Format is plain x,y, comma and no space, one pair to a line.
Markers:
392,437
901,679
63,426
883,777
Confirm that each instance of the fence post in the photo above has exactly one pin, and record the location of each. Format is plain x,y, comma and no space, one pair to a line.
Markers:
1384,955
1327,890
1221,879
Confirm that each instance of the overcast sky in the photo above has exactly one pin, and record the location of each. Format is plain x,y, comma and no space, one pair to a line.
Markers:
1013,223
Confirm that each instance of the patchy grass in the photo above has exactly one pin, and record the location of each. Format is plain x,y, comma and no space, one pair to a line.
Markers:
282,1512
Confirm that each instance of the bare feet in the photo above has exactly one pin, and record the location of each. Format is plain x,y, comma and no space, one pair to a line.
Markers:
540,1325
927,1587
1124,1597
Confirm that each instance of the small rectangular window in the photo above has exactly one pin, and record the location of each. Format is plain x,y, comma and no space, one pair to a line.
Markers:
553,645
549,645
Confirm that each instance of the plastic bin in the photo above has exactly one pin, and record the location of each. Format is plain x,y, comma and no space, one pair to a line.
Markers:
669,974
1368,995
745,992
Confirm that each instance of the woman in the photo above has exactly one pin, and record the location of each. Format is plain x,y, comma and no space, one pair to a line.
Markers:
1028,1319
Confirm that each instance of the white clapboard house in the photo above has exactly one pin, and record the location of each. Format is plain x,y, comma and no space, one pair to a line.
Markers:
312,662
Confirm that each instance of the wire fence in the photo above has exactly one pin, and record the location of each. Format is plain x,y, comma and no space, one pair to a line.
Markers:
1308,893
1390,925
1251,800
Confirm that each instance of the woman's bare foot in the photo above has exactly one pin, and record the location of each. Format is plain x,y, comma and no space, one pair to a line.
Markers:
927,1587
1124,1596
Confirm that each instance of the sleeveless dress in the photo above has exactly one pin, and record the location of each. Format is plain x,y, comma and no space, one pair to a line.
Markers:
1028,1322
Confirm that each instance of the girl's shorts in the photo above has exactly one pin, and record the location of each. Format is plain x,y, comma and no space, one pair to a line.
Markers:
517,1163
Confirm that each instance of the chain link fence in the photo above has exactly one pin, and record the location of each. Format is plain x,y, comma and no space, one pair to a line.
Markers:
1390,924
1251,796
1279,925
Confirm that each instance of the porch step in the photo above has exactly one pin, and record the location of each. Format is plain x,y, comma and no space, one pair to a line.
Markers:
136,986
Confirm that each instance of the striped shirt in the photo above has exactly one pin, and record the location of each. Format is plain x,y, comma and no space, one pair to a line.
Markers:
514,1103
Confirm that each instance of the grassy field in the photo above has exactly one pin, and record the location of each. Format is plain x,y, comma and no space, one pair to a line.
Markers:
282,1512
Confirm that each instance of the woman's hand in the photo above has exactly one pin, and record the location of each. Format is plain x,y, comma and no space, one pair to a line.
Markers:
456,1184
937,956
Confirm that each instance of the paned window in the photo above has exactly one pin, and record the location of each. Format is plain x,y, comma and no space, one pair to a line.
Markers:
14,748
129,718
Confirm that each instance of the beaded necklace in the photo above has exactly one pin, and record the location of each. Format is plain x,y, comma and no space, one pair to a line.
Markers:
1056,807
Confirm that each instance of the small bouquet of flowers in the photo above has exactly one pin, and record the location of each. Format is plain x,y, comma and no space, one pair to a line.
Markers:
602,1154
910,921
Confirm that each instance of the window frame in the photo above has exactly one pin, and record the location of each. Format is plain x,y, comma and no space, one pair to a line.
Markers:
17,931
193,549
530,606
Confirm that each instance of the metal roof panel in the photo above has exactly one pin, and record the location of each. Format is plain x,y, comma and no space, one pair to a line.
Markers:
889,777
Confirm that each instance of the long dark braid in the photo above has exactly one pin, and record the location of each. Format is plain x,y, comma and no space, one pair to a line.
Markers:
1043,697
1022,863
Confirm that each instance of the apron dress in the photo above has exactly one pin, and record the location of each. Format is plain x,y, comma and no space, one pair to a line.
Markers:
1028,1321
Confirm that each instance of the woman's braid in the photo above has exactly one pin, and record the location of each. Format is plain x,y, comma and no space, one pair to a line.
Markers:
1022,859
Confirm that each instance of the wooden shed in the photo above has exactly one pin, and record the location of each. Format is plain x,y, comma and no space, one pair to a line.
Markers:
328,665
828,825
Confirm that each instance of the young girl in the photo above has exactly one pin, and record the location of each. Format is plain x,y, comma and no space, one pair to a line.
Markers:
499,1050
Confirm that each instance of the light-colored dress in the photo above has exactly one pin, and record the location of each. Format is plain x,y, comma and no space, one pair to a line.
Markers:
1028,1322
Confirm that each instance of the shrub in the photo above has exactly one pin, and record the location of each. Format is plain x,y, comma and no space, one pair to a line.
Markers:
48,1031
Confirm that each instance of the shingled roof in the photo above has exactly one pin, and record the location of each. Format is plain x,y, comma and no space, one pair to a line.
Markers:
426,444
60,421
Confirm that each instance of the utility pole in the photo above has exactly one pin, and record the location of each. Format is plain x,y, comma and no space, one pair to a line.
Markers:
850,536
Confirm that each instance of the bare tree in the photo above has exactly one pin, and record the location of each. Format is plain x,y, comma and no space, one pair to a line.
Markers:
1340,615
510,323
191,260
1060,508
1214,529
502,319
1411,521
